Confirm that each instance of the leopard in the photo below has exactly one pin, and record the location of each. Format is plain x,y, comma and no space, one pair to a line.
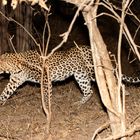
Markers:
27,66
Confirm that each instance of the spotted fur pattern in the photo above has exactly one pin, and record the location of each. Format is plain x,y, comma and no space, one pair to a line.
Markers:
130,79
62,64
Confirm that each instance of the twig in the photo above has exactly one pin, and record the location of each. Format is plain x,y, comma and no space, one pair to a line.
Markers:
132,60
88,64
45,48
48,39
127,33
126,134
136,32
132,14
107,14
43,36
12,43
101,128
38,35
125,29
49,33
136,118
129,4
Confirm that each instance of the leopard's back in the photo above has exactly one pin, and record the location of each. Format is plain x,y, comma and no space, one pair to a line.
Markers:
63,64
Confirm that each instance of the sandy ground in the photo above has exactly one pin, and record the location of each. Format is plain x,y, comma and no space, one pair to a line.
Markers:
22,117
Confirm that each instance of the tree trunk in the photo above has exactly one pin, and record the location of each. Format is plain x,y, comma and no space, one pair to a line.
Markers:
105,78
104,75
4,39
23,15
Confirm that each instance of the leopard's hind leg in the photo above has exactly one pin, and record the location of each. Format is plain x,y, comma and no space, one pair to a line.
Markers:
85,84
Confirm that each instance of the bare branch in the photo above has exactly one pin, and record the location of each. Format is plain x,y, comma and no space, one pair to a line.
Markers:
101,128
126,134
12,44
66,34
125,29
102,14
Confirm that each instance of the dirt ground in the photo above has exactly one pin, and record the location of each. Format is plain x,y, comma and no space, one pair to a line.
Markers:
22,117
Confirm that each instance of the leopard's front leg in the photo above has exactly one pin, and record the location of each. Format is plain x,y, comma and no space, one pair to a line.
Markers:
14,82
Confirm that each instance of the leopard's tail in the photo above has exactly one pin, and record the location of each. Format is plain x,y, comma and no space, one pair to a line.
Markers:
130,79
126,79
